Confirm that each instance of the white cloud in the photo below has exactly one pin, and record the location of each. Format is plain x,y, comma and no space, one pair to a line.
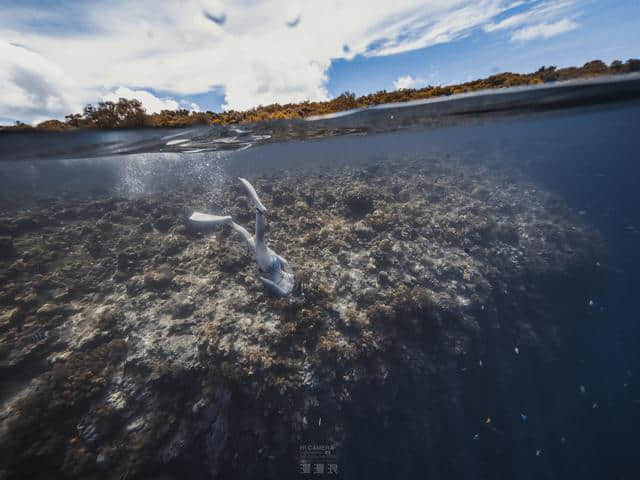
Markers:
544,30
423,27
545,10
545,20
261,53
150,102
31,84
408,82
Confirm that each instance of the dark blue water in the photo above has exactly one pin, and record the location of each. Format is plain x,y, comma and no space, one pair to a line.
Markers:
583,413
590,158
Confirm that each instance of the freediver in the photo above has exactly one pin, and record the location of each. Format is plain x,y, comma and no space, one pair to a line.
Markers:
275,273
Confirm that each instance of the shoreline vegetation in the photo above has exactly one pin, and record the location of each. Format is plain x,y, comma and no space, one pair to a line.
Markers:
129,113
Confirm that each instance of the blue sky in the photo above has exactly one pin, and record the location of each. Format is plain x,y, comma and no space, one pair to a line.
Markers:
56,56
606,31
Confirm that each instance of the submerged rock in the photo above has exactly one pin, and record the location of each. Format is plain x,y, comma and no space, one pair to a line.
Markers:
151,347
358,201
158,279
49,310
7,249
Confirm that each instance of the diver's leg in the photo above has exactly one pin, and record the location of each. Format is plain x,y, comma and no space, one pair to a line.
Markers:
261,226
260,213
206,219
246,235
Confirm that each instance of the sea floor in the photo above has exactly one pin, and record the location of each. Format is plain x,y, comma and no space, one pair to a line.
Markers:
136,345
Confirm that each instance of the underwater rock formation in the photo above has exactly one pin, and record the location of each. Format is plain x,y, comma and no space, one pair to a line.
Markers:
134,345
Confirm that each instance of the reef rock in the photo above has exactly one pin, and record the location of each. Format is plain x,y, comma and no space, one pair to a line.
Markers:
136,346
6,247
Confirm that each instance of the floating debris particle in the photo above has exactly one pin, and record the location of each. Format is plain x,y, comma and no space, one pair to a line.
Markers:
523,417
582,389
476,436
563,440
591,303
479,363
538,452
595,405
488,420
517,350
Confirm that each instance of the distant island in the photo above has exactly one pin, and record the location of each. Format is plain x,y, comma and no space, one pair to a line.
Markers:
129,113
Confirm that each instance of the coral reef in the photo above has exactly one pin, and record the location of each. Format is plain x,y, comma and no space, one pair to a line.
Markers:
134,345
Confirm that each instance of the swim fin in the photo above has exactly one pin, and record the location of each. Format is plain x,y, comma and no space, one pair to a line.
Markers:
209,219
254,196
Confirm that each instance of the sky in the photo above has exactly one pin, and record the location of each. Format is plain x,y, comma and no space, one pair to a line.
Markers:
58,55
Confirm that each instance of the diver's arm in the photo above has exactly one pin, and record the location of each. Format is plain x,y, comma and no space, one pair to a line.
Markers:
275,287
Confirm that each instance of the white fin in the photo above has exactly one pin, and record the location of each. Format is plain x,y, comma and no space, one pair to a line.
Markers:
210,219
254,196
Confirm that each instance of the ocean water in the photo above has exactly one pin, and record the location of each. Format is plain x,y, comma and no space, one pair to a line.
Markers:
465,302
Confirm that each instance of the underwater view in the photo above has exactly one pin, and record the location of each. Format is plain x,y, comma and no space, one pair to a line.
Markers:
444,289
308,239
